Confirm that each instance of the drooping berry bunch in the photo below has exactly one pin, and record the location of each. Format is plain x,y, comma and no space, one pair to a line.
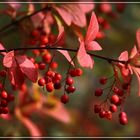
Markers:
5,99
114,99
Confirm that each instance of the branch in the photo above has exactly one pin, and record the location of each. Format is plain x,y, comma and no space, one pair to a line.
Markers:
15,22
66,49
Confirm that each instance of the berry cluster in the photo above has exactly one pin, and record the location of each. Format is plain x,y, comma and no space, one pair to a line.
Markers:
39,37
115,99
5,98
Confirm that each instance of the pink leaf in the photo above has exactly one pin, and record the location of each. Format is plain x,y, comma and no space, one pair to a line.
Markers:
134,51
93,46
72,13
123,56
8,60
138,78
27,67
93,29
64,14
37,18
61,37
30,125
2,48
59,112
138,38
67,56
16,76
86,7
84,59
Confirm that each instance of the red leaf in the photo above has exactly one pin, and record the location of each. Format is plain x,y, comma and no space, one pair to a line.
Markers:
29,124
93,29
9,60
27,67
93,46
61,37
72,13
2,48
84,59
64,14
138,38
67,56
86,7
16,76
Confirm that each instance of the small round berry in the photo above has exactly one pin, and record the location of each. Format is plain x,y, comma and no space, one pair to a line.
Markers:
32,59
103,80
10,97
47,58
123,120
41,82
108,115
54,65
113,108
69,81
72,73
57,76
50,73
122,114
50,87
70,89
48,79
43,40
57,85
4,95
97,108
36,65
78,72
35,33
125,86
98,92
114,99
3,103
36,52
102,114
64,98
5,110
41,66
2,73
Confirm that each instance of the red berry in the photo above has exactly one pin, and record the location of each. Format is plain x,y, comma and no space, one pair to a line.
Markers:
32,59
44,40
50,87
72,73
123,120
36,52
42,66
113,108
64,98
2,73
98,92
41,82
35,33
3,103
36,65
114,99
97,108
108,115
125,86
57,76
103,80
57,85
50,74
102,114
122,114
78,72
4,95
70,89
47,58
100,35
5,110
54,65
69,81
10,97
48,79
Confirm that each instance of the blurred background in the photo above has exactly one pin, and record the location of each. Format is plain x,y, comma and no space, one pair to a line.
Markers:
77,118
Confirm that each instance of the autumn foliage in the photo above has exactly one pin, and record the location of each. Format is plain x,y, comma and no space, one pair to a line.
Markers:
31,70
